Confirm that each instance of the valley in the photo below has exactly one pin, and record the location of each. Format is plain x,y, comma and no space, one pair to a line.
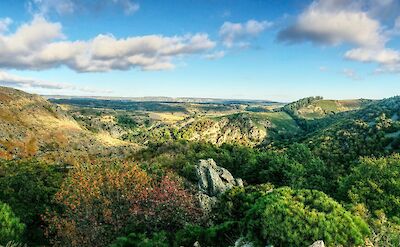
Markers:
76,152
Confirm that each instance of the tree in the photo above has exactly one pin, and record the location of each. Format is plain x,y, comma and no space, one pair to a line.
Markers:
375,182
11,229
287,217
28,187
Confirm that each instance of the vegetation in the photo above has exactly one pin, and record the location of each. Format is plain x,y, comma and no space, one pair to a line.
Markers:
313,170
375,182
10,226
28,187
287,217
99,202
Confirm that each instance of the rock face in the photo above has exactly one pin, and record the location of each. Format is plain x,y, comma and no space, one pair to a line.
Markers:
318,243
212,181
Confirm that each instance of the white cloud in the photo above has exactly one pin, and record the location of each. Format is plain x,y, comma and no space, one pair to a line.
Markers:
232,33
389,68
354,22
10,80
41,44
44,7
381,56
64,7
330,22
4,24
215,55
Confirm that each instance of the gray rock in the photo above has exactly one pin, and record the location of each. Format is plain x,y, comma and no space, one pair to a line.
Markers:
318,243
214,180
206,202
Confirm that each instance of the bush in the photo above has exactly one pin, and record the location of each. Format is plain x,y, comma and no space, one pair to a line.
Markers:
141,240
287,217
11,229
234,203
101,202
28,187
375,183
219,235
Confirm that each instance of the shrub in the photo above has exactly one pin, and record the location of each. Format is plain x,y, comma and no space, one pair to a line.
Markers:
375,183
287,217
28,187
101,202
220,235
141,240
11,229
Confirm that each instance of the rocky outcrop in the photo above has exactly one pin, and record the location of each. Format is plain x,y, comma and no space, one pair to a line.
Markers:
318,243
213,181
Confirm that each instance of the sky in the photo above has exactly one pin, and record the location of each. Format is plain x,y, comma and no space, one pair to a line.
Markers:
280,50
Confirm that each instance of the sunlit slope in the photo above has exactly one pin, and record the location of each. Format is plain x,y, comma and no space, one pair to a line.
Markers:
322,108
30,126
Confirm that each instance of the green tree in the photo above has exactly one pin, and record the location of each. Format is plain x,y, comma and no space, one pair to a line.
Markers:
28,187
375,182
11,229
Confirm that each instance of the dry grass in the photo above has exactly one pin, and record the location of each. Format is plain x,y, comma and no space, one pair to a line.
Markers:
167,117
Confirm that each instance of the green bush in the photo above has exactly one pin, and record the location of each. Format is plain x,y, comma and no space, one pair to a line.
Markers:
28,187
375,182
287,217
220,235
234,203
11,229
141,240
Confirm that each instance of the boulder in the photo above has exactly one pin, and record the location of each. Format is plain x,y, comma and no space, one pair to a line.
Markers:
318,243
214,180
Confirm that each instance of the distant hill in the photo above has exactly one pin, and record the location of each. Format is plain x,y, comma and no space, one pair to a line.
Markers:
30,126
63,98
317,107
373,129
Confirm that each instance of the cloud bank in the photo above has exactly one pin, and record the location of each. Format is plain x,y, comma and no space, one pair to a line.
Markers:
353,22
9,80
41,44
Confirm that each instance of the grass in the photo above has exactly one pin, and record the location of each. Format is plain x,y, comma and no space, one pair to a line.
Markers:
321,108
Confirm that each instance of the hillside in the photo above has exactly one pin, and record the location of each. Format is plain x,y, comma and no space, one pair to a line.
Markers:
246,123
212,173
30,126
322,108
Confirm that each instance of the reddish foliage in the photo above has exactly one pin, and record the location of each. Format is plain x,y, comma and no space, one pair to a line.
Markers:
100,201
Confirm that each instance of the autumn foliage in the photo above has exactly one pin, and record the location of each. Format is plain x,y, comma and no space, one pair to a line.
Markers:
102,202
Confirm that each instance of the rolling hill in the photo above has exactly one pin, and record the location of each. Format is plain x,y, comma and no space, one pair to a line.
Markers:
30,126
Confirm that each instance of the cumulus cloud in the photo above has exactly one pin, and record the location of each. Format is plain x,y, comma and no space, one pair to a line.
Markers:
64,7
41,44
232,33
353,22
4,24
10,80
331,22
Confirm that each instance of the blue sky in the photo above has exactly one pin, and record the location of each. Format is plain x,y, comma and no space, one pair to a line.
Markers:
251,49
